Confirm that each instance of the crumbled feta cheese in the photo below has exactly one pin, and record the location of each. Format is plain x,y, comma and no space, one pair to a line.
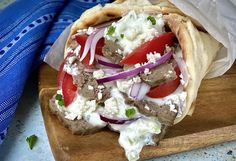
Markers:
77,50
124,85
87,31
137,79
71,59
71,69
68,50
119,51
167,75
181,80
111,106
81,31
99,95
90,30
152,57
147,107
98,73
71,116
147,71
90,106
90,87
59,92
172,106
101,87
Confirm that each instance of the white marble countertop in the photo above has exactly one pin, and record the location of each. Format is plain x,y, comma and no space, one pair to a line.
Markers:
28,120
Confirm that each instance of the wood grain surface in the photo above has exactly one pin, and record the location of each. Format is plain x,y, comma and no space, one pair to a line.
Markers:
213,122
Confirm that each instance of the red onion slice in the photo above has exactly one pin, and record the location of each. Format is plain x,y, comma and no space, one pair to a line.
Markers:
87,46
102,58
135,90
106,62
144,89
135,71
96,38
183,67
117,121
111,71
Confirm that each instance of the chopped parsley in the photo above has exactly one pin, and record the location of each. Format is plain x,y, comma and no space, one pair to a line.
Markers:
111,30
60,100
59,97
131,142
61,103
130,112
122,36
152,19
31,140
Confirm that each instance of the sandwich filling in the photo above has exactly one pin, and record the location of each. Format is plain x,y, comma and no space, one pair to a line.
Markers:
129,76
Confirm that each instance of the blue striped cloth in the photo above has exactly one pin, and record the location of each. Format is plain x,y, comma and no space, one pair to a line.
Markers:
28,28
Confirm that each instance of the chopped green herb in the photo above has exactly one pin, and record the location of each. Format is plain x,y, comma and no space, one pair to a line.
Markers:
111,30
130,112
31,140
58,97
152,19
116,40
61,102
130,141
122,36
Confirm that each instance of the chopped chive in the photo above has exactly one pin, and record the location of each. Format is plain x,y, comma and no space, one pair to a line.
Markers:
61,102
122,36
130,112
58,97
111,30
152,19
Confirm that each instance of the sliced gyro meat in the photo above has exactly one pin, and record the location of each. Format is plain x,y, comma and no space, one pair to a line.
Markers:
159,75
81,127
111,51
89,88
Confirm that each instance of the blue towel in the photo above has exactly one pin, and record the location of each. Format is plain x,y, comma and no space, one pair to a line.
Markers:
28,28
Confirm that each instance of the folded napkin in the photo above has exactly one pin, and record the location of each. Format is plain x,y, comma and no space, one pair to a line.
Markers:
27,31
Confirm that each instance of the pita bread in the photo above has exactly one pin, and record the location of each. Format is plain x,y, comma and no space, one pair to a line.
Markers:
198,48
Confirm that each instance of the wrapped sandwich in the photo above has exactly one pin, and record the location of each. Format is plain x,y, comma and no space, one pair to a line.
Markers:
135,69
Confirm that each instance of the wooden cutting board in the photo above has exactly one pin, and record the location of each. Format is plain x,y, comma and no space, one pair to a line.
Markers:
213,122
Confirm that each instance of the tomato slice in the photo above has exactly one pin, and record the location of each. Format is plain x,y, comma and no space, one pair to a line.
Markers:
157,44
65,82
99,46
81,39
68,89
61,72
165,89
